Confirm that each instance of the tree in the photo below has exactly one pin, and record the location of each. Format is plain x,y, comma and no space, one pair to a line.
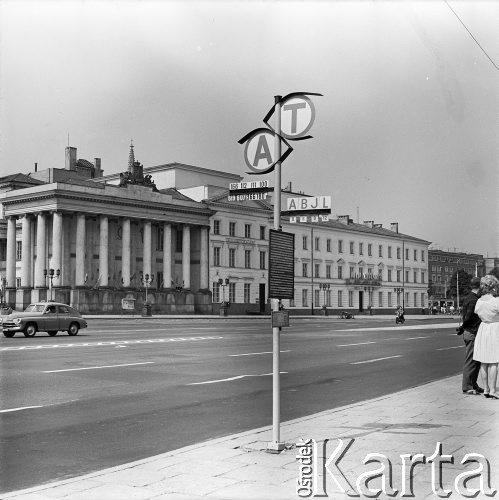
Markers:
494,272
464,283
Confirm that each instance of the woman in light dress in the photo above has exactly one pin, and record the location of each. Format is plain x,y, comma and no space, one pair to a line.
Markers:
487,340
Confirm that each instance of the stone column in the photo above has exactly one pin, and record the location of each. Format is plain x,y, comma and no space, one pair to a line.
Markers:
125,252
186,256
203,258
10,263
167,255
103,251
41,252
56,241
147,249
26,281
80,250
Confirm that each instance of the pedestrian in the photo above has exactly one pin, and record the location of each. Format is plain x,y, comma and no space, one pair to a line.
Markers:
468,330
487,339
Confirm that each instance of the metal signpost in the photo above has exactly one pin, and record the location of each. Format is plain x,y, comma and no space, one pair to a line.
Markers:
265,150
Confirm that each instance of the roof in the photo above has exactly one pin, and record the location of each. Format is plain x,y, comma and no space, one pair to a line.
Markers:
20,178
175,194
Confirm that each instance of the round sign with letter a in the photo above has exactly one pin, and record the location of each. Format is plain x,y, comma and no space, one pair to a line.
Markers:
259,152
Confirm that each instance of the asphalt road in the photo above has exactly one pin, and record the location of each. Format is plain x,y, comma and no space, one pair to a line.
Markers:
127,389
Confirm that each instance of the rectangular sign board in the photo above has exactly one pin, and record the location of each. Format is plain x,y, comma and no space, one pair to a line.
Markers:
280,318
313,218
309,203
281,265
249,185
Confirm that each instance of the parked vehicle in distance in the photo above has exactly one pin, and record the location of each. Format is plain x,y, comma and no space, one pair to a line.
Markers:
50,317
346,315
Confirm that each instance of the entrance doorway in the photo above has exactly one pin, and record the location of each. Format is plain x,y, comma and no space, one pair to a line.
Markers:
261,297
361,301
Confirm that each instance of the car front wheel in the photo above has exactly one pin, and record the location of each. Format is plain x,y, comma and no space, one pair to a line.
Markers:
73,329
30,330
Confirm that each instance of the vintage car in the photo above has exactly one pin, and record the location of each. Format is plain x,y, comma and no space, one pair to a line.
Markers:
50,317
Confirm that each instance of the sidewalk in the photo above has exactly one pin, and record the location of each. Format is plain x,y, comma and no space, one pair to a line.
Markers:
237,467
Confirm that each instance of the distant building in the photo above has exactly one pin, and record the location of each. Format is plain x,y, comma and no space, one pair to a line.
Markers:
491,263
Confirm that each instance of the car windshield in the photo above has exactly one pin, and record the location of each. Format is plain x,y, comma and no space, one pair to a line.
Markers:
34,308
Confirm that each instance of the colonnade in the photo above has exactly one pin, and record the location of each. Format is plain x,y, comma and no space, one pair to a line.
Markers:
41,222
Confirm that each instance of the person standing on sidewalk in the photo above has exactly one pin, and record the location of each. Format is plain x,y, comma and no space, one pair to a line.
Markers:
487,339
469,329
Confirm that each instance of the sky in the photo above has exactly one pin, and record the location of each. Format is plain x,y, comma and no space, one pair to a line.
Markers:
406,130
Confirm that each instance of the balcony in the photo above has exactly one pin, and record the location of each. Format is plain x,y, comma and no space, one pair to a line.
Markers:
364,279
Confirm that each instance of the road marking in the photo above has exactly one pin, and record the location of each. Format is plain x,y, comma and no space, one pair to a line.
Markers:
359,343
445,348
19,409
231,378
109,343
254,353
414,338
98,367
377,359
435,326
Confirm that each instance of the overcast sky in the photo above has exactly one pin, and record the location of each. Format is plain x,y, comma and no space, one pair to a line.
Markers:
407,129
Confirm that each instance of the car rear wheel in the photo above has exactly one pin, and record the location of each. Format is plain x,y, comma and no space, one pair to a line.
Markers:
9,334
52,333
73,329
30,330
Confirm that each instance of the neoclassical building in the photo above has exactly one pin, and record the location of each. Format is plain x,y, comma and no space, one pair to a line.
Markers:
172,232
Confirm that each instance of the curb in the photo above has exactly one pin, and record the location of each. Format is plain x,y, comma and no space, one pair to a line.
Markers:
213,442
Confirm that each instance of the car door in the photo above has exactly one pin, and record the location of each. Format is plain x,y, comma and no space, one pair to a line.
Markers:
50,320
63,314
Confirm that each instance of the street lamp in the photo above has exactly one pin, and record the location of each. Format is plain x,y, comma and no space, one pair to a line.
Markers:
223,285
147,281
457,282
400,290
51,274
369,290
324,286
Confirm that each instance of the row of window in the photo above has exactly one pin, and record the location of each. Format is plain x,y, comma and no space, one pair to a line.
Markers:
393,299
317,247
221,294
248,264
233,229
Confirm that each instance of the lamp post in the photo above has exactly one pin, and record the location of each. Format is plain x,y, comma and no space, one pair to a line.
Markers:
457,282
369,290
147,281
51,274
399,290
3,285
224,305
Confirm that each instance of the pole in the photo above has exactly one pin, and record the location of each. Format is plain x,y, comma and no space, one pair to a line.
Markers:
403,276
312,265
276,446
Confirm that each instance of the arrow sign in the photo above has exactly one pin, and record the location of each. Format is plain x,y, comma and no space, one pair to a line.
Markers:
259,150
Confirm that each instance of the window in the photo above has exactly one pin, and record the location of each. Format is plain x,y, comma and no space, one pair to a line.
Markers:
262,232
247,230
159,237
406,254
389,299
232,257
340,298
247,293
19,250
340,246
398,252
407,276
398,275
179,234
350,299
406,299
423,277
352,271
328,245
18,282
3,249
328,298
317,270
317,247
415,255
160,281
422,300
263,259
389,275
389,252
415,276
304,297
380,250
232,228
422,256
415,299
361,248
361,272
317,298
340,272
232,292
304,242
216,256
328,271
351,247
216,227
247,259
380,299
370,249
216,292
304,269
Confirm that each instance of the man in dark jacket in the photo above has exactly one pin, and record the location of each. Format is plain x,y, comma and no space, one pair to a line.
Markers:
469,329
